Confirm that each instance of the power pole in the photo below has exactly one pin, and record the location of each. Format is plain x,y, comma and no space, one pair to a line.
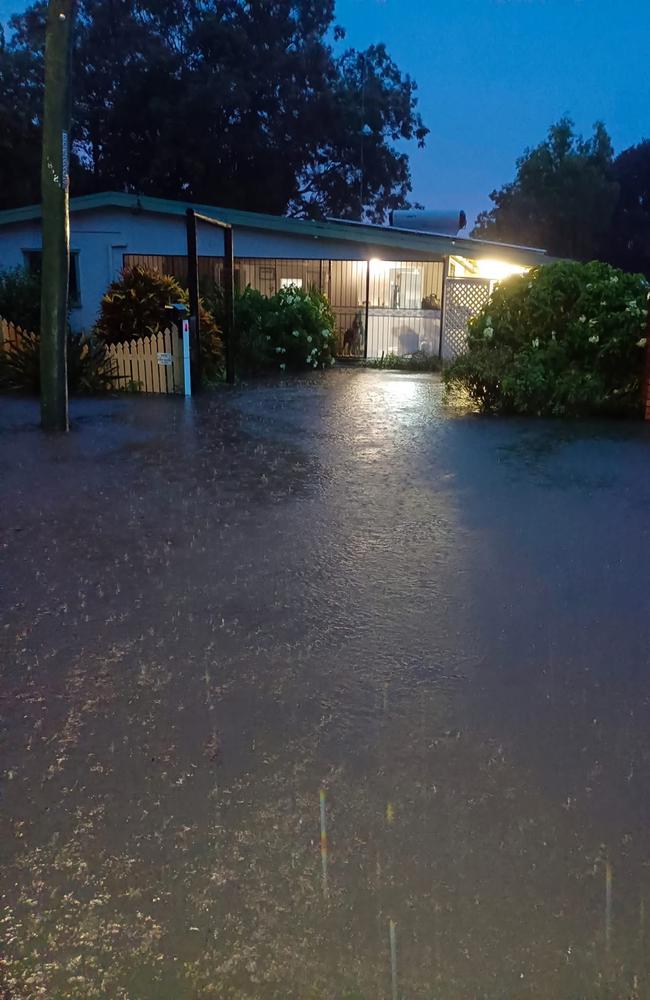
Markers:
55,215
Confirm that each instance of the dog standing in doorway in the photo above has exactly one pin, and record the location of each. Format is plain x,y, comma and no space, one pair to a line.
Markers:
352,339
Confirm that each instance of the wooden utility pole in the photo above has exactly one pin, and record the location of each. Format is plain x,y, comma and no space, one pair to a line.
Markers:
55,214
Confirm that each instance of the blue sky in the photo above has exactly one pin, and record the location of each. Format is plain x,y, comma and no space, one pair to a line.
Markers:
493,75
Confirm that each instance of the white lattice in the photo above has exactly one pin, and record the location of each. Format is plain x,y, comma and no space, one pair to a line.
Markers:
464,298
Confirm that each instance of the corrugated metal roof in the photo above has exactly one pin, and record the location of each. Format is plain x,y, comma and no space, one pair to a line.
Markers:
372,236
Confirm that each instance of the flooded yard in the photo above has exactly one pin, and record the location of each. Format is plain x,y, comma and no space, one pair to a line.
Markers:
213,611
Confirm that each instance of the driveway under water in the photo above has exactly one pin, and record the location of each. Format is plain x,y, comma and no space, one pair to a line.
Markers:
214,610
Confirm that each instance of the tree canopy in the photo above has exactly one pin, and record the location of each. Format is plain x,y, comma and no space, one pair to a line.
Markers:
563,196
245,103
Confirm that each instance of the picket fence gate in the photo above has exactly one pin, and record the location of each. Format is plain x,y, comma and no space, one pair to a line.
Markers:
149,364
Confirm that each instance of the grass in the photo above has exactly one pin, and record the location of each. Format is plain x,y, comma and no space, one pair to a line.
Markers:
419,361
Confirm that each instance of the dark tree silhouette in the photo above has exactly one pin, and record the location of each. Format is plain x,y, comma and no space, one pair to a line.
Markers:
229,102
628,243
562,198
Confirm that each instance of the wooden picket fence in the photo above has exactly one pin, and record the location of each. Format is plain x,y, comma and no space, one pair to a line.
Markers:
10,335
150,364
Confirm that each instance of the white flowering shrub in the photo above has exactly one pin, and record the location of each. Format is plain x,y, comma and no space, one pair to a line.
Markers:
564,339
299,330
288,331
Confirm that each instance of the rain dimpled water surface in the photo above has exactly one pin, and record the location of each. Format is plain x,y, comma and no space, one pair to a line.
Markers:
314,689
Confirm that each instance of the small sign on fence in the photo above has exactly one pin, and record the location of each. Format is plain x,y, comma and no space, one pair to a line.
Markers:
164,358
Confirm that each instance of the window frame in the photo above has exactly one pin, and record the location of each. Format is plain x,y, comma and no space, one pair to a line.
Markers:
74,302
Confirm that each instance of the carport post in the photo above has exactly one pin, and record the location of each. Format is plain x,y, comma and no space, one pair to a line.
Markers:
445,268
229,302
365,332
193,289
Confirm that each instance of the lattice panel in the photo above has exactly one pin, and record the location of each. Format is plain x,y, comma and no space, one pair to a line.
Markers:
464,298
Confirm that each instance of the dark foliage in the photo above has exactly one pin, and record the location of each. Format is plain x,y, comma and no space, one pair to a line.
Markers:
134,306
567,339
628,243
271,117
20,298
563,196
89,367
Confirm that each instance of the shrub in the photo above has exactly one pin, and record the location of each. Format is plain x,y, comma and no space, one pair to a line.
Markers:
564,339
299,329
250,308
89,367
20,298
134,306
291,330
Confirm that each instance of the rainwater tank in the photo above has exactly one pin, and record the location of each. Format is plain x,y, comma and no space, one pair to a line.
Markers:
445,221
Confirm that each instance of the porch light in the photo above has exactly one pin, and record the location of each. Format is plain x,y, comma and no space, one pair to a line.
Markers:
497,270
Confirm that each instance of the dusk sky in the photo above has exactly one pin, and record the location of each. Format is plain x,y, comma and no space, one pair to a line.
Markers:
494,74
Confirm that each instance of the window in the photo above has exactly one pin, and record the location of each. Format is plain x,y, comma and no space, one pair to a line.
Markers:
33,263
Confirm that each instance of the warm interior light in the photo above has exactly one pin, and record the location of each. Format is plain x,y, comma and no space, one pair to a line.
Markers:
497,270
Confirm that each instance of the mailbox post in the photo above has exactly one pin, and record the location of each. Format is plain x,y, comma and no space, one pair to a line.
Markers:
181,320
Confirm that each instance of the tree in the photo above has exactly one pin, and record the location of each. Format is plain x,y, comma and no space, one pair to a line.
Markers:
353,165
240,103
21,98
562,198
628,243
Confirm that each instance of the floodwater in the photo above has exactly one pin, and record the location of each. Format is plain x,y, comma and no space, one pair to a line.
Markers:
212,611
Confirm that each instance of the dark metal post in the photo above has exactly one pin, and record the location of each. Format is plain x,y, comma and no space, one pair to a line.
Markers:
193,288
646,369
365,332
56,220
229,303
445,268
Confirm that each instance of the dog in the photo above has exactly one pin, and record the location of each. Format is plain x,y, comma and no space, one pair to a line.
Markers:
352,338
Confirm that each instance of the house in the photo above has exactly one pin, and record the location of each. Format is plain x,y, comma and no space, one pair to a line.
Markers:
392,289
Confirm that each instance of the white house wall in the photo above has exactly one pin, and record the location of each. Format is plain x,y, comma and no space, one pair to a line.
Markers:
103,236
